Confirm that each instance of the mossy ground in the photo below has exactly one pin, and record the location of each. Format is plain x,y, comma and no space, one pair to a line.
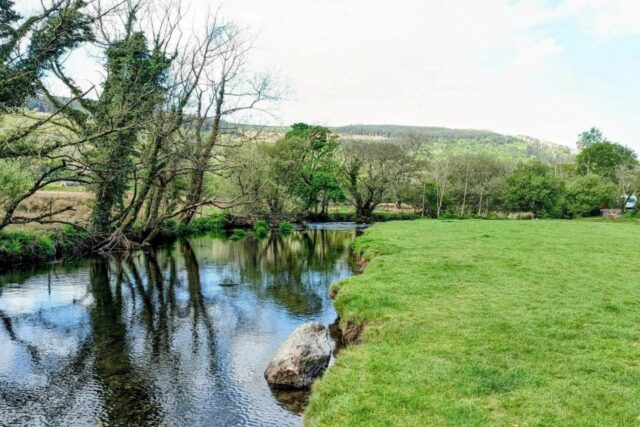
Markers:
489,323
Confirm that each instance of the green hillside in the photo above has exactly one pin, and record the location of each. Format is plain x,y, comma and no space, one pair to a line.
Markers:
439,140
432,140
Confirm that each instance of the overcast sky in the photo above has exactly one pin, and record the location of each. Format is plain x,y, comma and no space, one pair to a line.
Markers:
544,68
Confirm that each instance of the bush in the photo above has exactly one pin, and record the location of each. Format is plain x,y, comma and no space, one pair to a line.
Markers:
238,234
204,224
586,195
172,227
533,187
45,247
261,228
20,247
285,227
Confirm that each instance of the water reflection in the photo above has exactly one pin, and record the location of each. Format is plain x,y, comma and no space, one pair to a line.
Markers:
179,336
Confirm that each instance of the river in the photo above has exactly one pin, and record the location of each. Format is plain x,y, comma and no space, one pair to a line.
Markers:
177,336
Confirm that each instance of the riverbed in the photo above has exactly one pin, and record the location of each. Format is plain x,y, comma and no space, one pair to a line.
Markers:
180,335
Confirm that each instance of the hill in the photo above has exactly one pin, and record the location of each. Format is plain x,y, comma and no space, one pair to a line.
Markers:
433,141
439,140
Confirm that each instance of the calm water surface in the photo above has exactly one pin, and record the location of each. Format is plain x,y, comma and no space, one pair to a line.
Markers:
177,337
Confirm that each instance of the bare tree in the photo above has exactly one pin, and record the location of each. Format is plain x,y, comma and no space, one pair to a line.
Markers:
228,89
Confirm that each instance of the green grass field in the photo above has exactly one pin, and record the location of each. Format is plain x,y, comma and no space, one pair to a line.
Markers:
514,323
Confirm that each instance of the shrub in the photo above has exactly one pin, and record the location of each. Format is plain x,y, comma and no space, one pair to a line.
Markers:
208,223
285,227
172,227
19,247
586,195
45,247
260,228
12,247
533,187
238,234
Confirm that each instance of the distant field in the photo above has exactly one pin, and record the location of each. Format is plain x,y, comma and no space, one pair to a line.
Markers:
511,323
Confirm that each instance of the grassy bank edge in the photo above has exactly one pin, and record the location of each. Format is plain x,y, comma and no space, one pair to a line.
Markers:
354,329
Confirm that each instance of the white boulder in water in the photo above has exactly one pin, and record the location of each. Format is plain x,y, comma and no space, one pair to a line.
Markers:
302,358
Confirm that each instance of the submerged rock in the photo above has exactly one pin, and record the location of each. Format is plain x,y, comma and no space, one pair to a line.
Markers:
302,358
228,285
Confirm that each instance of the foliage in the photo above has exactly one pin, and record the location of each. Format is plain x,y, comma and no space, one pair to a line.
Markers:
533,187
590,137
132,89
29,47
238,234
285,227
14,181
261,229
487,323
21,247
586,195
604,159
371,171
173,228
315,183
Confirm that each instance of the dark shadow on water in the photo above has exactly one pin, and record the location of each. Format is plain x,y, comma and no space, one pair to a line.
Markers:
294,401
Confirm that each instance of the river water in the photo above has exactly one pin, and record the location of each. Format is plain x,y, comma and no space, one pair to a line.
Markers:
180,336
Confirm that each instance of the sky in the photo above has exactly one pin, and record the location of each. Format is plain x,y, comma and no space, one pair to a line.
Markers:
543,68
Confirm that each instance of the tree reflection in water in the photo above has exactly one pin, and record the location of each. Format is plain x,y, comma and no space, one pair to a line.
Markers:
180,335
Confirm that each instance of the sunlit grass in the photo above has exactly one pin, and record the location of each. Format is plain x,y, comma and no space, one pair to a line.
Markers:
490,322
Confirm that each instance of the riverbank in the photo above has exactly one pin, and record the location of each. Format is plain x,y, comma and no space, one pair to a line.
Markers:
22,247
489,322
33,246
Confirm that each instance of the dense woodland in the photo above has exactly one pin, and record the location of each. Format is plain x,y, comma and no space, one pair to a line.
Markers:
154,142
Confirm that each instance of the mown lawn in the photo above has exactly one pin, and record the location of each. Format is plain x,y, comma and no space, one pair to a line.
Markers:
511,323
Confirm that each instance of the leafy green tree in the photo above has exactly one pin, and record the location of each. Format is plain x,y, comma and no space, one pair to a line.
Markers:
533,187
371,171
316,183
29,47
587,194
590,137
604,159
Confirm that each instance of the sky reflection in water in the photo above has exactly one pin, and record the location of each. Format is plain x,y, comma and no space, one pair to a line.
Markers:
177,337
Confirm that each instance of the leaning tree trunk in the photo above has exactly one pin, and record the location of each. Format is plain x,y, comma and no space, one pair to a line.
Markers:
202,160
195,191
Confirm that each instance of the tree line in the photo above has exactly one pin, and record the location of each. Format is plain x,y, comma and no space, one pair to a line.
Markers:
310,169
